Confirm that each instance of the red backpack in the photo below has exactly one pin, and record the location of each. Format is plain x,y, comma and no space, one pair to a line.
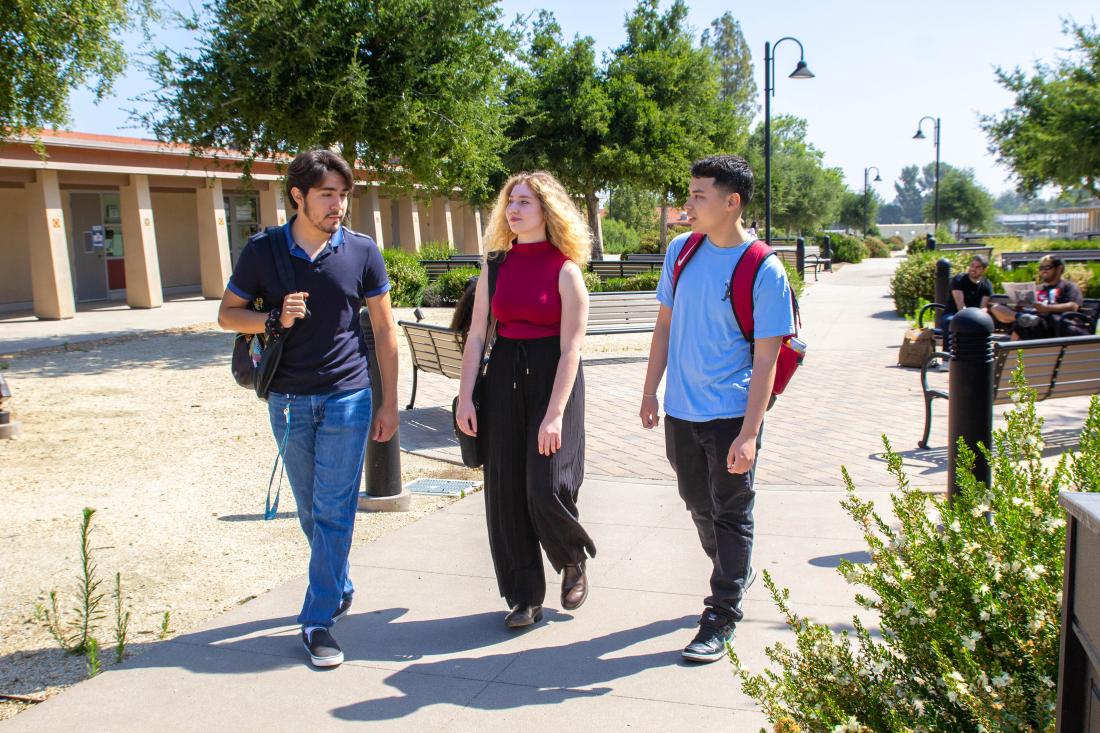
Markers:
741,286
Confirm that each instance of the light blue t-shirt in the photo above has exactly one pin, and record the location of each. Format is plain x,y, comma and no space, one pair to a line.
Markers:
709,361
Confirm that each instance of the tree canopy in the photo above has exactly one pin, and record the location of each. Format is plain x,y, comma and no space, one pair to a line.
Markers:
50,49
410,88
1052,133
736,74
962,199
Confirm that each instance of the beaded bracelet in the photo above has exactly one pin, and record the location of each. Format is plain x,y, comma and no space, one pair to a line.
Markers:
273,327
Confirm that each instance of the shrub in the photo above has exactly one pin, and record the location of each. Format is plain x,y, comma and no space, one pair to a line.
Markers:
435,251
408,278
876,247
592,282
966,594
796,281
619,238
447,290
848,249
1086,276
645,281
915,278
896,243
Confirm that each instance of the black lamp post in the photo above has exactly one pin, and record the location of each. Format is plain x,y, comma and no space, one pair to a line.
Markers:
936,142
801,71
867,193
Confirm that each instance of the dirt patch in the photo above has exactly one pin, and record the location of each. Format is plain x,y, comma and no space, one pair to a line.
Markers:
152,433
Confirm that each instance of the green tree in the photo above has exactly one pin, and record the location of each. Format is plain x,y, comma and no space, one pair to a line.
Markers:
805,193
411,90
562,115
857,211
738,83
962,199
909,195
1051,135
668,103
634,207
51,48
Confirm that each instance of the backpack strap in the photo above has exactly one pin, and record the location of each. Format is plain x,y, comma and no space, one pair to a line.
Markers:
742,283
280,252
691,246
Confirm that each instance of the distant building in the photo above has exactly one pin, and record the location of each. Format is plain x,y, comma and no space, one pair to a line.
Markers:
104,217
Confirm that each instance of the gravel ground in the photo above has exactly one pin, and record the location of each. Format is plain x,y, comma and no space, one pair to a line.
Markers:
152,433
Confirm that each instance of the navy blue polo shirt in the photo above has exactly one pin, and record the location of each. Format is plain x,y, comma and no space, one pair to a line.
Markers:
325,352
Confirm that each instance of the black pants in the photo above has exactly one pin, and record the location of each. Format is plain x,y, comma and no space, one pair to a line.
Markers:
720,502
530,499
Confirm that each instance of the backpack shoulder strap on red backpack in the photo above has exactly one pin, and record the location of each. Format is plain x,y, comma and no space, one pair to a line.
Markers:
741,286
691,246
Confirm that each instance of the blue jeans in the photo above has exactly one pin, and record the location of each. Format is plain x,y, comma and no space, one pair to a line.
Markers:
326,437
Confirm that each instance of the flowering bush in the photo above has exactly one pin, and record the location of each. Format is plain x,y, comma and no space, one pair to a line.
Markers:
967,595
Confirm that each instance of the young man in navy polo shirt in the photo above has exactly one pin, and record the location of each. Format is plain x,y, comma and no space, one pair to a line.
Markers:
320,400
718,386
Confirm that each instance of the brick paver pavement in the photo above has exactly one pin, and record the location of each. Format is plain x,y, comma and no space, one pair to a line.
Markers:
849,393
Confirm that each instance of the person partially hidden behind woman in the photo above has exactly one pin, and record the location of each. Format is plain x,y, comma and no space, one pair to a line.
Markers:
532,404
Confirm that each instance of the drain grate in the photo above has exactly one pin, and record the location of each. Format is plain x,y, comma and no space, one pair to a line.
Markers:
442,486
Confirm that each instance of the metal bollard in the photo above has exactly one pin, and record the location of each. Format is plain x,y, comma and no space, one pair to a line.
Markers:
8,428
382,466
943,289
800,256
970,384
827,252
930,242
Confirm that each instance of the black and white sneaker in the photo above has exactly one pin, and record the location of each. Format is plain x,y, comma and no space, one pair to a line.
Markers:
345,606
323,649
716,630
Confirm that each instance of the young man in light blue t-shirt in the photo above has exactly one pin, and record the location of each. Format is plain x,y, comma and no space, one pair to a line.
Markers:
718,385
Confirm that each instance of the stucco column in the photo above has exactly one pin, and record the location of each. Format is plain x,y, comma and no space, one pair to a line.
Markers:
443,221
143,287
51,271
272,205
471,230
408,222
214,269
370,215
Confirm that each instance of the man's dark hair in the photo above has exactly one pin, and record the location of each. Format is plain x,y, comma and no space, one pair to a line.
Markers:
308,169
731,173
981,260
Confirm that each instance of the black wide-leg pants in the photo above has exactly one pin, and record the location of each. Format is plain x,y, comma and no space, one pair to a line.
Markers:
530,499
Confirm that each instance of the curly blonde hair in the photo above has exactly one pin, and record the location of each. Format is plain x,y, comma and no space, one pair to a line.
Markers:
565,226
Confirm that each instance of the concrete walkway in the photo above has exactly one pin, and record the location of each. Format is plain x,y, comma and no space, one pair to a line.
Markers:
425,644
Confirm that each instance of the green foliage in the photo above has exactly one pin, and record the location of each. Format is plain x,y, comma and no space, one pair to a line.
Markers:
738,81
636,208
847,249
1050,135
76,639
50,49
961,198
592,282
435,251
876,247
913,318
122,621
619,238
1085,275
966,593
165,625
417,82
408,278
449,287
91,657
857,210
896,243
798,284
805,193
909,195
915,279
644,281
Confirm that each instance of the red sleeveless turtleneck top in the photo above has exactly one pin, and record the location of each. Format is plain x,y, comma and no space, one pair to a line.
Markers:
527,303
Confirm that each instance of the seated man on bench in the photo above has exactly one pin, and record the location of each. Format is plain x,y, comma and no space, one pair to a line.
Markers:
970,289
1053,297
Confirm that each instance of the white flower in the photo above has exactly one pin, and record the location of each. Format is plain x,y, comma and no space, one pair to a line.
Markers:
955,676
852,726
934,595
984,615
1030,574
1047,681
1017,501
919,705
1002,680
970,640
931,612
983,588
953,696
955,526
980,510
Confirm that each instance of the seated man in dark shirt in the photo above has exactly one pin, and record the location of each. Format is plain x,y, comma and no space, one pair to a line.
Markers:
1053,297
970,289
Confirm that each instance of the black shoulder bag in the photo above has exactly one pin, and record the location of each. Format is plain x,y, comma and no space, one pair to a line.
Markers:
256,356
473,447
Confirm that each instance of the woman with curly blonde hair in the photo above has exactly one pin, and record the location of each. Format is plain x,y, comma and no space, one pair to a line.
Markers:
532,397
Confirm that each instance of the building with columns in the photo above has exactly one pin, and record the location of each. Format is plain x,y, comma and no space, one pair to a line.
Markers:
101,217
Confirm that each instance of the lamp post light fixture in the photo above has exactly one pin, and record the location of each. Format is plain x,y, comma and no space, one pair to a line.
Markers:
867,193
801,71
936,142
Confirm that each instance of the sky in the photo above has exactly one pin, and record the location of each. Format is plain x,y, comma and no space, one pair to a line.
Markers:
880,67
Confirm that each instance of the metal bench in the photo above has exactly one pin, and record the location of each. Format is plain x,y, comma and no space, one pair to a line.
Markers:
608,269
438,349
435,268
1012,260
1058,367
789,256
970,250
1088,316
